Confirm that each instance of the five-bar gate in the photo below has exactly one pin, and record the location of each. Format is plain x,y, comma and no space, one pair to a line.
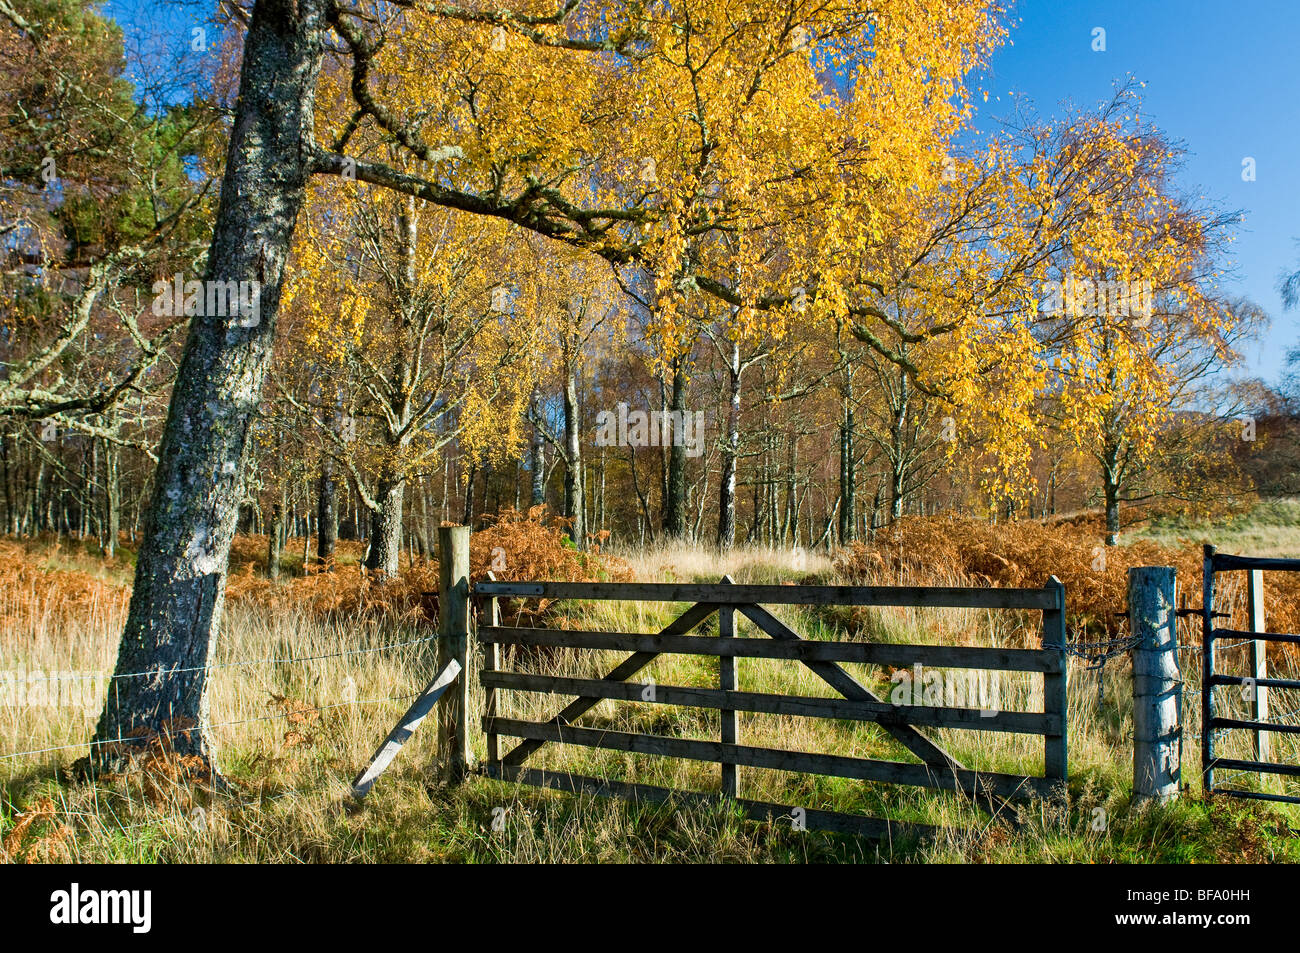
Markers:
938,769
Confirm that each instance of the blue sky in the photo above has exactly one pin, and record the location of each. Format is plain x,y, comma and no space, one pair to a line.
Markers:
1223,77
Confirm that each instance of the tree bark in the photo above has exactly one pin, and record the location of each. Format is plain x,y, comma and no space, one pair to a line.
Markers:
675,496
790,517
306,526
898,459
848,466
426,534
112,497
386,528
274,539
327,513
1111,491
600,500
730,454
181,570
574,496
467,511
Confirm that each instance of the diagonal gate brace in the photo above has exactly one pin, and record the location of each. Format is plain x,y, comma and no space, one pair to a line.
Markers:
623,671
848,686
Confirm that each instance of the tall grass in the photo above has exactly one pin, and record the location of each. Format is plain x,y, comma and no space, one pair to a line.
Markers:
293,731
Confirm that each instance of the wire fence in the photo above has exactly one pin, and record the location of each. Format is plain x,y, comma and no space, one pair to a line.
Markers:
1097,654
220,724
241,663
216,666
110,821
1094,655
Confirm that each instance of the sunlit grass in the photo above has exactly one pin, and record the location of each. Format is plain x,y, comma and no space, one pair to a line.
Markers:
291,735
1271,528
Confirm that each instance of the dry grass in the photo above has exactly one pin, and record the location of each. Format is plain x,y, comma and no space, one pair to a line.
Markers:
952,550
672,562
291,733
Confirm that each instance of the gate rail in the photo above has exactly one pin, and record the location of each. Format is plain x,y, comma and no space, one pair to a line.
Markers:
938,769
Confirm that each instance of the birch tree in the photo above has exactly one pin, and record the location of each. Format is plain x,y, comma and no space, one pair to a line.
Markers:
525,134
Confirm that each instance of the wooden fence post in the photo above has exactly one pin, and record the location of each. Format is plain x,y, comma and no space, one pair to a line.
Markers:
728,683
404,729
1156,679
492,610
1258,662
1056,687
453,644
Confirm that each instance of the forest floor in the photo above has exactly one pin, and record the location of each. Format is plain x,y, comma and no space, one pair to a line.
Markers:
313,671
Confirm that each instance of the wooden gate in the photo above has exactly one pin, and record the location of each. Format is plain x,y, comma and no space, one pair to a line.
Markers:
1257,680
937,768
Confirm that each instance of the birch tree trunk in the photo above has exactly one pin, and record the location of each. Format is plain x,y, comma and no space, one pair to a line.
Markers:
675,488
327,512
180,574
112,497
898,458
1110,490
386,528
848,466
274,539
730,454
467,513
537,462
574,495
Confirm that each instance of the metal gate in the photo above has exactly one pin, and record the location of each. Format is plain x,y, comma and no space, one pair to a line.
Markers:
1255,686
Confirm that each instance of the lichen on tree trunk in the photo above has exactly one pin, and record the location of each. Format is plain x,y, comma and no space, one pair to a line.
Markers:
180,575
386,529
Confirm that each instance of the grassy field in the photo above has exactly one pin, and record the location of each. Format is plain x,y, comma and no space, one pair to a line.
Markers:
1271,528
291,733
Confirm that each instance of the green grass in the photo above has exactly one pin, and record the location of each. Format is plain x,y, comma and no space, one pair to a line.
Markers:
291,804
1271,528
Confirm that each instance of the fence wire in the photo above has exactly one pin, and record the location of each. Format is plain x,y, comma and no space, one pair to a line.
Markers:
242,663
1097,654
104,823
288,660
220,724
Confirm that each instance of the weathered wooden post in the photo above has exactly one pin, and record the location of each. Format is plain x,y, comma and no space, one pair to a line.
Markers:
1056,697
727,682
453,644
1156,718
